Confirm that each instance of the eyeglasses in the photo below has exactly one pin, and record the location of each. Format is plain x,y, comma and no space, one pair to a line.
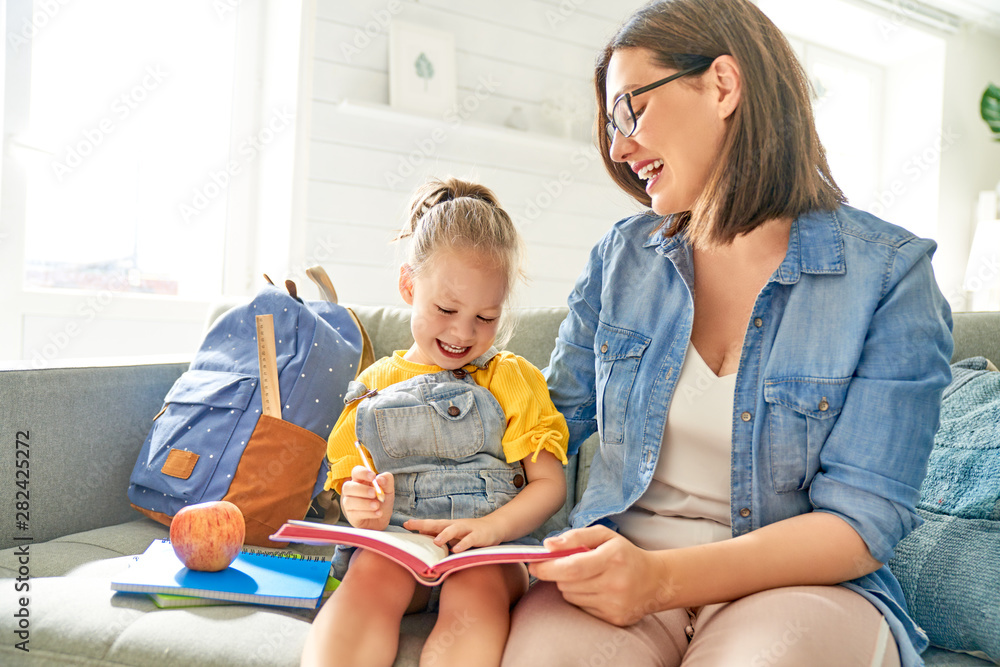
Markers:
622,117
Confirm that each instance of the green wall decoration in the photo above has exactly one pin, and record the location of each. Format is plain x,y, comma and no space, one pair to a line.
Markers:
425,69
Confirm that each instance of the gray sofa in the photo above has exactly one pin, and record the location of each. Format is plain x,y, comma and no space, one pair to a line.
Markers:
83,427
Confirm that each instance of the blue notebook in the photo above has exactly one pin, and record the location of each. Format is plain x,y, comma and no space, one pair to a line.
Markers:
255,577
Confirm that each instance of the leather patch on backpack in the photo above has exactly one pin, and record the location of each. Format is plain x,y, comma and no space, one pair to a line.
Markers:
275,480
179,463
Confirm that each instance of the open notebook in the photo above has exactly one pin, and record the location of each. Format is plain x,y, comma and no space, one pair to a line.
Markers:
428,562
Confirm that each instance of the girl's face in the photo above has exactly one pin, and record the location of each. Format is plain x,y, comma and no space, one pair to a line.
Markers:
679,128
457,302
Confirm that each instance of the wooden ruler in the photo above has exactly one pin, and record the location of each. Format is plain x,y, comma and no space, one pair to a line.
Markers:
270,396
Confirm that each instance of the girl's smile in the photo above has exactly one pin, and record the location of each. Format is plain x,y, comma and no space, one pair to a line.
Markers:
457,302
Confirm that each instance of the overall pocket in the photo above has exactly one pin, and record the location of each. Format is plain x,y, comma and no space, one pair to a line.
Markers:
618,353
447,425
187,439
801,413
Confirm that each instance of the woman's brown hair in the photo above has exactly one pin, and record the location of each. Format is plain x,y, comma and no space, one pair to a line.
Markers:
771,163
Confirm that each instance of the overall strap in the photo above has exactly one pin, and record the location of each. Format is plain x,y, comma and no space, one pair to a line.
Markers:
483,361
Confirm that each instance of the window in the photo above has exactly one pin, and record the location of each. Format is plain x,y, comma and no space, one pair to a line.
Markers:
141,142
129,117
878,87
847,103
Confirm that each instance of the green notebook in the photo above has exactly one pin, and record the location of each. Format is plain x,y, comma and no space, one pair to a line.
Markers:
168,601
255,577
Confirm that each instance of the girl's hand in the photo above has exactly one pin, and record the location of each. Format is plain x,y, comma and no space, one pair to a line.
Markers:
615,581
460,533
358,501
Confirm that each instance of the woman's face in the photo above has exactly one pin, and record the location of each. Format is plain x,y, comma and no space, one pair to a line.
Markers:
679,128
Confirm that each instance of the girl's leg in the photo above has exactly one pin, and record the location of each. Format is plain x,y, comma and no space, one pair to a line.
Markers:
819,626
359,625
547,630
474,616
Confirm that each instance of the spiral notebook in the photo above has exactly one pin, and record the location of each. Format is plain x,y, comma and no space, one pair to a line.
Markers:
255,577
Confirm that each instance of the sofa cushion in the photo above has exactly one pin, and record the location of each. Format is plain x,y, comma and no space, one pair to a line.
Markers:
74,618
937,657
64,554
976,335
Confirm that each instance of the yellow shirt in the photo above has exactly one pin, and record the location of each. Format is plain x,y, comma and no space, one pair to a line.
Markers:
533,423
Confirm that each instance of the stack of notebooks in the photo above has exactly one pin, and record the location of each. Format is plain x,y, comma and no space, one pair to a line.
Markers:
255,577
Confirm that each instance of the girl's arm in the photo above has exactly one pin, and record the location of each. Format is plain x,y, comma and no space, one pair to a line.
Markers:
620,583
540,498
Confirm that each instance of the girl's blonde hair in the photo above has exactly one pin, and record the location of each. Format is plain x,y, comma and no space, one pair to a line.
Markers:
461,216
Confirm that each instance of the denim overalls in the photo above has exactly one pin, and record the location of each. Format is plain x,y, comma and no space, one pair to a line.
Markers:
440,435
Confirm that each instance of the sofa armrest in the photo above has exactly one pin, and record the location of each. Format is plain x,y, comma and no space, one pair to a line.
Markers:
81,429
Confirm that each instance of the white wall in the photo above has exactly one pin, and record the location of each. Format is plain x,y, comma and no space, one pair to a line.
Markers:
972,162
365,158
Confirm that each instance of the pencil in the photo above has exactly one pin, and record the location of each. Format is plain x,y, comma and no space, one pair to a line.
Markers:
364,459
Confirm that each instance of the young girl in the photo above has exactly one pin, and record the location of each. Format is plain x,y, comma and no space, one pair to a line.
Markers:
465,439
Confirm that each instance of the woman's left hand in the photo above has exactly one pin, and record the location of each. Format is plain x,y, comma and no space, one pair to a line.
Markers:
615,580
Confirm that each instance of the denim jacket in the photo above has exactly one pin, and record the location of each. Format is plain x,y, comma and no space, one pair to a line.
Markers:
837,395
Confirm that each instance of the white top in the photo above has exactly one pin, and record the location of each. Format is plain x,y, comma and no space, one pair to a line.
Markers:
687,502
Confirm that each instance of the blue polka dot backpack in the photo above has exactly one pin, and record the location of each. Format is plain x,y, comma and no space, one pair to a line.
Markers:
248,421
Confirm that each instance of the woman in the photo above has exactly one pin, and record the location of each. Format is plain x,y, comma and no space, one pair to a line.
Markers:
764,365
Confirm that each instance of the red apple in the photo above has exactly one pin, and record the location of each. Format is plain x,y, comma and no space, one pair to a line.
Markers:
208,536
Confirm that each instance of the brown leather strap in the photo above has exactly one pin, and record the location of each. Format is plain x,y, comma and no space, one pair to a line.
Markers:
319,276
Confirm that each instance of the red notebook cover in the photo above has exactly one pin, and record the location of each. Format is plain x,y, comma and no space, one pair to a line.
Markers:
428,562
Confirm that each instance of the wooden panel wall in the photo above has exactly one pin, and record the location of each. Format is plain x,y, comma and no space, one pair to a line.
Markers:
365,157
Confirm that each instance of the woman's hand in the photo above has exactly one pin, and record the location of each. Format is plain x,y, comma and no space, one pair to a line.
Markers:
615,580
461,533
361,507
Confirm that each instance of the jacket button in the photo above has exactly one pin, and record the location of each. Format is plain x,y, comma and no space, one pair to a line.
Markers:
746,416
745,512
824,405
459,373
518,480
758,322
604,348
454,411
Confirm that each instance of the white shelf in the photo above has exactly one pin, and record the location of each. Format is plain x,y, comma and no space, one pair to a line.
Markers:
533,140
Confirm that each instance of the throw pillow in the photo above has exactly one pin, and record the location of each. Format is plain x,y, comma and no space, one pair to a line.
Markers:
949,570
963,474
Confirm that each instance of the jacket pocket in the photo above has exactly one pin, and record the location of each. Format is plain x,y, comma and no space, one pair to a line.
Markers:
618,352
191,433
801,413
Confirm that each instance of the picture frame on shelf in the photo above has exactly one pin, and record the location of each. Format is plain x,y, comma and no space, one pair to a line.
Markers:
422,75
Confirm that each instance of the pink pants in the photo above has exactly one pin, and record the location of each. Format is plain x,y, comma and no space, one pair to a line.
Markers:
817,626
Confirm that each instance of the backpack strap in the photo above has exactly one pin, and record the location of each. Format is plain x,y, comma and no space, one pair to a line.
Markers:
319,276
